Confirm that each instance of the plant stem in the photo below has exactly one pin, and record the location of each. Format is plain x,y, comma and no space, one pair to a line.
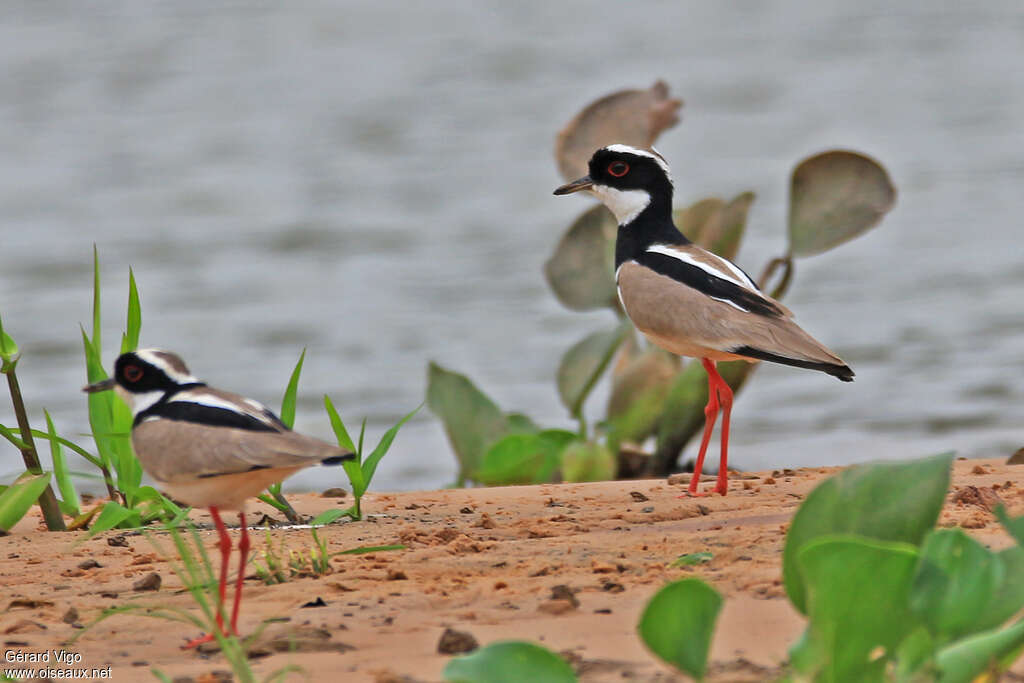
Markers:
47,501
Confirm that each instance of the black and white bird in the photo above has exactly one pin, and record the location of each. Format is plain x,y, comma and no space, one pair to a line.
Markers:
208,448
685,299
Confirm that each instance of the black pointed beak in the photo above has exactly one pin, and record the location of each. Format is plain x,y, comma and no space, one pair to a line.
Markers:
584,183
105,385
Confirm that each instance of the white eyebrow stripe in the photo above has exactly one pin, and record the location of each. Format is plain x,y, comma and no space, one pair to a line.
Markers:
152,357
727,271
642,153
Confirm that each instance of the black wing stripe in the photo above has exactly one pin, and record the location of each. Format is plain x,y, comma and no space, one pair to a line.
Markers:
198,413
843,372
708,284
209,475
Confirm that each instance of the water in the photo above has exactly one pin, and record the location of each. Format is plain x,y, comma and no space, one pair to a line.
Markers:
374,184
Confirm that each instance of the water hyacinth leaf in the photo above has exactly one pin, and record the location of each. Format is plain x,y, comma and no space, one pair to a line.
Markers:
509,661
1008,596
955,583
993,651
690,559
583,363
524,458
631,117
1013,525
581,271
639,388
471,420
857,594
891,501
17,498
833,197
716,225
678,623
588,461
113,515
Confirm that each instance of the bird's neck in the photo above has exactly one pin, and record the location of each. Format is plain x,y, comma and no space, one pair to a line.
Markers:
653,225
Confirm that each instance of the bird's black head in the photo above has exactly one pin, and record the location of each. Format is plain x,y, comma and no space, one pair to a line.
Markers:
627,180
145,371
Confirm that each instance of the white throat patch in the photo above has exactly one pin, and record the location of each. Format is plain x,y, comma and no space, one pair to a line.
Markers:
625,204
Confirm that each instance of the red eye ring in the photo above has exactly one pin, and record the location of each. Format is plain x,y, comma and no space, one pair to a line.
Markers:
132,373
617,169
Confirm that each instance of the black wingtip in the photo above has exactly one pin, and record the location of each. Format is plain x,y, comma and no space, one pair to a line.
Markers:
843,372
337,459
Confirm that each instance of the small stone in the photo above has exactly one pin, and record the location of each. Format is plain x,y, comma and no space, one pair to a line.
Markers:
25,626
396,575
978,469
466,511
638,497
485,522
703,509
89,564
563,592
119,541
456,642
649,508
71,616
555,607
334,492
768,480
677,479
149,582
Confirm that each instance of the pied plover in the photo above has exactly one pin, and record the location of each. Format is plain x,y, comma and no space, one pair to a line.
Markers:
685,299
207,447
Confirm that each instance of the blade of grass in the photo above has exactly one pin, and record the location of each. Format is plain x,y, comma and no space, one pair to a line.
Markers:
290,393
369,466
130,340
60,470
17,498
344,440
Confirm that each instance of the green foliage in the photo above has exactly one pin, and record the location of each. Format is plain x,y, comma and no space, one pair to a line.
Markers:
509,661
588,461
9,352
360,471
524,458
690,559
893,501
678,622
888,597
16,499
835,196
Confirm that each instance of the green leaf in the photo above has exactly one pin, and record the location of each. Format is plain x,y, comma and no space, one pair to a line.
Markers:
639,389
890,501
857,592
9,434
1013,525
835,196
344,440
288,402
716,225
588,461
524,458
68,494
509,661
97,322
369,465
133,326
363,550
113,515
583,364
327,517
581,271
1008,596
17,498
968,658
8,351
690,559
955,583
678,623
471,420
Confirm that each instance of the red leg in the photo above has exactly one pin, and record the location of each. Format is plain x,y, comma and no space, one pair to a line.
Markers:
243,554
710,415
725,396
225,556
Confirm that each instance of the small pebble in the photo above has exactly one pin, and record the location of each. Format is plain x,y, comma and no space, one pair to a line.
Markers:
149,582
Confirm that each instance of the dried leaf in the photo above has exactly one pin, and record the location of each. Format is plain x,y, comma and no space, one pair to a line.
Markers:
631,117
716,225
581,271
835,196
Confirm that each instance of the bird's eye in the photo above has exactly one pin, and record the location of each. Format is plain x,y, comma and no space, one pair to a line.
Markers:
618,168
132,373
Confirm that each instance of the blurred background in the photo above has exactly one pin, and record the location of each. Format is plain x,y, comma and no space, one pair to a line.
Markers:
374,184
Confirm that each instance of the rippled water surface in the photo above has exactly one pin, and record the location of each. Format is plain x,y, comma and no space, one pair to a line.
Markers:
373,183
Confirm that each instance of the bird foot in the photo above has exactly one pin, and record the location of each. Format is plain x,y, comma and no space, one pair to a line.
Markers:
196,642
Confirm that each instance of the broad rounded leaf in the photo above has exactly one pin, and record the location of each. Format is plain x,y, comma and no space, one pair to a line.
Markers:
638,393
587,461
631,117
716,225
583,363
833,197
524,458
471,419
888,501
581,271
955,583
678,623
509,662
965,660
857,601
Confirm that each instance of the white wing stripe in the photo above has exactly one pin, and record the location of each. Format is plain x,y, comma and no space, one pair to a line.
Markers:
728,272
